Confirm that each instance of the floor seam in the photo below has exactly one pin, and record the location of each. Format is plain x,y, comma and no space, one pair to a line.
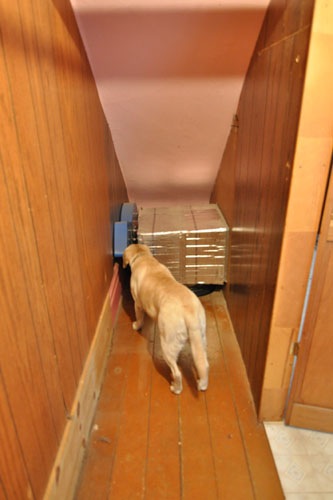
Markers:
180,449
149,412
212,448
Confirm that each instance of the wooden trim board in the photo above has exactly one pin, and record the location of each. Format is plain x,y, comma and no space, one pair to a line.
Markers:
313,417
115,293
67,465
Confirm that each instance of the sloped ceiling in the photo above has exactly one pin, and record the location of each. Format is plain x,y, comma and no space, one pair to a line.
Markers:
169,75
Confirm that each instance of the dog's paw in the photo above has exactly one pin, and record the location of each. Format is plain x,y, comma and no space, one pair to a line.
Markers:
175,390
176,386
136,326
202,384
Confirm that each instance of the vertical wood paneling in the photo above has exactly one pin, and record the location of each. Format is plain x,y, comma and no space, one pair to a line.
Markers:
268,115
308,185
13,479
59,183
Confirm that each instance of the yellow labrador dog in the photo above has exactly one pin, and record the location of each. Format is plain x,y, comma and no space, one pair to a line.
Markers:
178,312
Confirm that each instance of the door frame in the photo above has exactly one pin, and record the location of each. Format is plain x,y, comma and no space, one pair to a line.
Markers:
298,412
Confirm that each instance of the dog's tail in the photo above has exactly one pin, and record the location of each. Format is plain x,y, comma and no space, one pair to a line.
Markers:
196,326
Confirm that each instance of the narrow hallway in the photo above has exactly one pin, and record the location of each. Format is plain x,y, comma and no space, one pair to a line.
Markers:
148,443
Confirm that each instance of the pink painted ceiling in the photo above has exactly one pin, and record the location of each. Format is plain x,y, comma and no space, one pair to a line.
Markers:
169,75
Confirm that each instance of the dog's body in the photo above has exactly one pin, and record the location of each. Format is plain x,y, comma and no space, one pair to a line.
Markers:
178,312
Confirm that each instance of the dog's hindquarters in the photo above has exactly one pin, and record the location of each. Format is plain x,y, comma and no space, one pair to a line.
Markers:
174,333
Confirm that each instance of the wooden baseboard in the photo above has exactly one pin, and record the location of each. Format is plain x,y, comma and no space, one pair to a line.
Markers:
115,292
67,466
311,417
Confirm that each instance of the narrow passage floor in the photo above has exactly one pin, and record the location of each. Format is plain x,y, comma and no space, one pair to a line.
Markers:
147,443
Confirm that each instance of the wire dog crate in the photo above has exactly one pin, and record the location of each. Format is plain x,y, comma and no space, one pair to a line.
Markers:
192,241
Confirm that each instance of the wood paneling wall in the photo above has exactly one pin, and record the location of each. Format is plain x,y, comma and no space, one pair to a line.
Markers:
60,181
306,200
253,182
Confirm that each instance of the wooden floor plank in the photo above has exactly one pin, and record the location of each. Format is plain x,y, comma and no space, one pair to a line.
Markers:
232,471
163,458
99,461
263,473
150,444
128,473
198,472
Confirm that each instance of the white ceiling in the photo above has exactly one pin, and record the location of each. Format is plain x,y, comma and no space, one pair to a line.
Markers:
169,76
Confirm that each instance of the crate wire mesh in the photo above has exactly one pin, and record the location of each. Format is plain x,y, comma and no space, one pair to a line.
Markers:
192,241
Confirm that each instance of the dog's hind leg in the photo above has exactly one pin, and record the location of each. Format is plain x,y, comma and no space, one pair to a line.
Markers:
139,314
198,349
170,355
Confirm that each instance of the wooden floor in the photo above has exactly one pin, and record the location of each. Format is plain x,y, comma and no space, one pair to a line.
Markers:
148,443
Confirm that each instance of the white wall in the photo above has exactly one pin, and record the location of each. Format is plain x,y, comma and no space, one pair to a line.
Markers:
169,78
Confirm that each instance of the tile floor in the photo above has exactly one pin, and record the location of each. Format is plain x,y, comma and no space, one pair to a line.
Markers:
304,460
